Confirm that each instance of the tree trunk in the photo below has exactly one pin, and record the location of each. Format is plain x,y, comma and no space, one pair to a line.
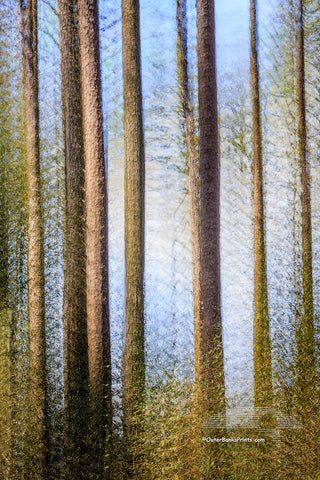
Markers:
75,327
306,380
211,371
193,166
98,326
306,391
7,323
4,241
36,298
261,347
133,357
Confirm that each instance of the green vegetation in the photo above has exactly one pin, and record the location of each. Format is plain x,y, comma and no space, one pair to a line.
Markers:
159,242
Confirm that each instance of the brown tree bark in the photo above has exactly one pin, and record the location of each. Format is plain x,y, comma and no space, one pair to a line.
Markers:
75,326
306,385
4,252
211,370
263,390
306,380
36,282
133,357
98,326
193,166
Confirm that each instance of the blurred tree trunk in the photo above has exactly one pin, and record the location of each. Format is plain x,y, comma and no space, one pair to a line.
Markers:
210,372
7,331
306,380
36,282
133,357
307,445
263,390
75,327
4,247
193,165
98,326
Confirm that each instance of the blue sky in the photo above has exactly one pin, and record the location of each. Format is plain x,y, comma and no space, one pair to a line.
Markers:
232,26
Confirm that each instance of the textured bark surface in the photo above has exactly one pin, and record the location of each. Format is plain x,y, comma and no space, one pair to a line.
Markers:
133,357
36,298
261,347
211,376
4,252
75,327
98,326
193,167
307,397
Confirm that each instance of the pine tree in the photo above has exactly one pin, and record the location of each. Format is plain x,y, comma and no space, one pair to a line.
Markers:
211,370
133,357
36,283
306,349
192,163
75,327
97,294
262,349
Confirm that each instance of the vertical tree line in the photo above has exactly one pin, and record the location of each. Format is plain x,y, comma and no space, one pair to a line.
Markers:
97,291
157,432
305,335
307,396
133,356
13,276
210,370
75,326
262,350
192,165
36,294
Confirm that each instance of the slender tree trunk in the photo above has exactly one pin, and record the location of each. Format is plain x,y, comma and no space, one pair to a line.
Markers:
36,298
4,245
306,391
7,331
261,348
98,325
13,363
75,327
193,166
133,357
210,371
306,380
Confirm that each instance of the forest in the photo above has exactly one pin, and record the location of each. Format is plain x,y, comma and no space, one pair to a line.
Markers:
159,240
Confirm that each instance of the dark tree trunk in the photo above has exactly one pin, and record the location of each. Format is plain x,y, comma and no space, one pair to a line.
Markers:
261,348
307,398
193,167
211,371
133,357
75,327
36,297
306,391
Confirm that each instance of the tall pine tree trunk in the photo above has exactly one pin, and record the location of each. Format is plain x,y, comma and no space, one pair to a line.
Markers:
98,326
7,320
36,298
193,165
261,349
133,357
75,327
210,369
307,450
307,398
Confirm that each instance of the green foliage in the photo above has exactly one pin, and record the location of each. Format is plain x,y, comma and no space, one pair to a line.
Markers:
170,443
13,323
